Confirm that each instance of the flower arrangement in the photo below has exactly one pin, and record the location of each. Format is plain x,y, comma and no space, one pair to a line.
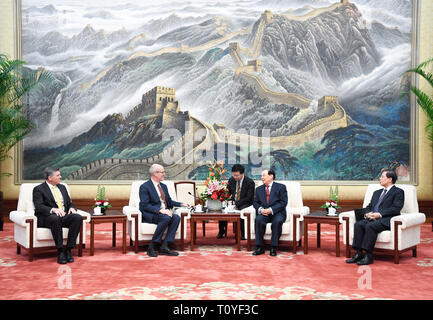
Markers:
100,200
216,188
333,199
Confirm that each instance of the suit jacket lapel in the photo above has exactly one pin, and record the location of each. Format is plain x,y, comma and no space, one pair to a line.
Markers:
49,193
386,195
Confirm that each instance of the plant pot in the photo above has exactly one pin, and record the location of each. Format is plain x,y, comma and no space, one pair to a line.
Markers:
214,205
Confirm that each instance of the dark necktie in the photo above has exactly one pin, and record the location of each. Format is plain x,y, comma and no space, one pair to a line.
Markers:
376,207
162,195
238,191
267,194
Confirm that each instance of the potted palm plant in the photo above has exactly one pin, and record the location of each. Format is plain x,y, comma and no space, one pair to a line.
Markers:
423,99
15,82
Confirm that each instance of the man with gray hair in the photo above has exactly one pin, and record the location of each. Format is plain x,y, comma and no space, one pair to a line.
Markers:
156,207
54,210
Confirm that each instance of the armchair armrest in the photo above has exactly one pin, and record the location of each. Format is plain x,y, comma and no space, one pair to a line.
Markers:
347,214
409,219
180,210
84,214
249,210
20,217
301,211
129,211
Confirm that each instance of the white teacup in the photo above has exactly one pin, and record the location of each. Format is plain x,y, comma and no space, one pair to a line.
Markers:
199,208
332,211
231,208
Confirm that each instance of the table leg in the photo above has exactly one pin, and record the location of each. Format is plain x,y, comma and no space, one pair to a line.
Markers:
192,231
114,234
318,235
92,238
124,235
238,233
249,233
337,239
305,237
195,231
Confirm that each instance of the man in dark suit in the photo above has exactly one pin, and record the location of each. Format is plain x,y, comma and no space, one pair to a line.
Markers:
54,210
385,204
241,189
156,207
270,203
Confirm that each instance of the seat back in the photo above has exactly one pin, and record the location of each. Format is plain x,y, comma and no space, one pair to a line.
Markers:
134,196
26,195
410,197
182,188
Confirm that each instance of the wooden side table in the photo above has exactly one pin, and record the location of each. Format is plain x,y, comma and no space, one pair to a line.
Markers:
218,216
320,217
110,216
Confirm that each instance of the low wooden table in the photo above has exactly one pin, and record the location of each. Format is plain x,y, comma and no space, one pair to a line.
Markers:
320,217
110,216
219,216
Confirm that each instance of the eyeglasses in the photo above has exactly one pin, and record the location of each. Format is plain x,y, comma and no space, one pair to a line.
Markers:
160,171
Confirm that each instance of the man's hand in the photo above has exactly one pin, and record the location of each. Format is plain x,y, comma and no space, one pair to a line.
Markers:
167,212
265,212
184,205
72,210
373,215
58,212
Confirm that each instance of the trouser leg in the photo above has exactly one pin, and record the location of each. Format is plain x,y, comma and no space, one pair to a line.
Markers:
73,223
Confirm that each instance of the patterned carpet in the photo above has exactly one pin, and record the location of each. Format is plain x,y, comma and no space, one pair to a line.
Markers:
216,271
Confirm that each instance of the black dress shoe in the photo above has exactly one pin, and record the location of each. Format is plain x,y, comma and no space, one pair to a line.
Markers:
165,250
355,258
367,259
258,251
273,252
61,258
69,257
151,251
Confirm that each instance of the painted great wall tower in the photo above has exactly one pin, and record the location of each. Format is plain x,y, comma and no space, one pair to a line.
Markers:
160,102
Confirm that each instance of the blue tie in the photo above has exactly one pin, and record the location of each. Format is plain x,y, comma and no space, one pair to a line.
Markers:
376,207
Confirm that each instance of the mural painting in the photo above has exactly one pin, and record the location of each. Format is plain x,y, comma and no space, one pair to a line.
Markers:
309,88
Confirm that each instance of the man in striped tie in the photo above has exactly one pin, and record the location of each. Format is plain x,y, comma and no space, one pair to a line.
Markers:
385,204
54,210
156,207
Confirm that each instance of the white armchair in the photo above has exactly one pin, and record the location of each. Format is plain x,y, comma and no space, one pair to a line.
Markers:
405,228
293,227
142,231
26,232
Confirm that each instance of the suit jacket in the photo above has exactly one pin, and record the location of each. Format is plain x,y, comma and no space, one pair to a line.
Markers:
390,206
247,192
149,199
44,201
277,198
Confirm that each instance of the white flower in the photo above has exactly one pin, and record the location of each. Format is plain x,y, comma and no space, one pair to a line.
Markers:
106,203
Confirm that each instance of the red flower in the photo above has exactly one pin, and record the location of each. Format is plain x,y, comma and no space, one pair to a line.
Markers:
214,196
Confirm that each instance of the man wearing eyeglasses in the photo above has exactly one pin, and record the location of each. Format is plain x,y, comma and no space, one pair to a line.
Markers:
156,207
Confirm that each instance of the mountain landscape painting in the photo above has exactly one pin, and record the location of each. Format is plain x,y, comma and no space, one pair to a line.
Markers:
311,89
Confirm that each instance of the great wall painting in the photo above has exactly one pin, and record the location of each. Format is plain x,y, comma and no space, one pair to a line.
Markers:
319,81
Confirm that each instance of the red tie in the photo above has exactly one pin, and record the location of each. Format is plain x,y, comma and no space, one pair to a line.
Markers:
267,194
162,195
